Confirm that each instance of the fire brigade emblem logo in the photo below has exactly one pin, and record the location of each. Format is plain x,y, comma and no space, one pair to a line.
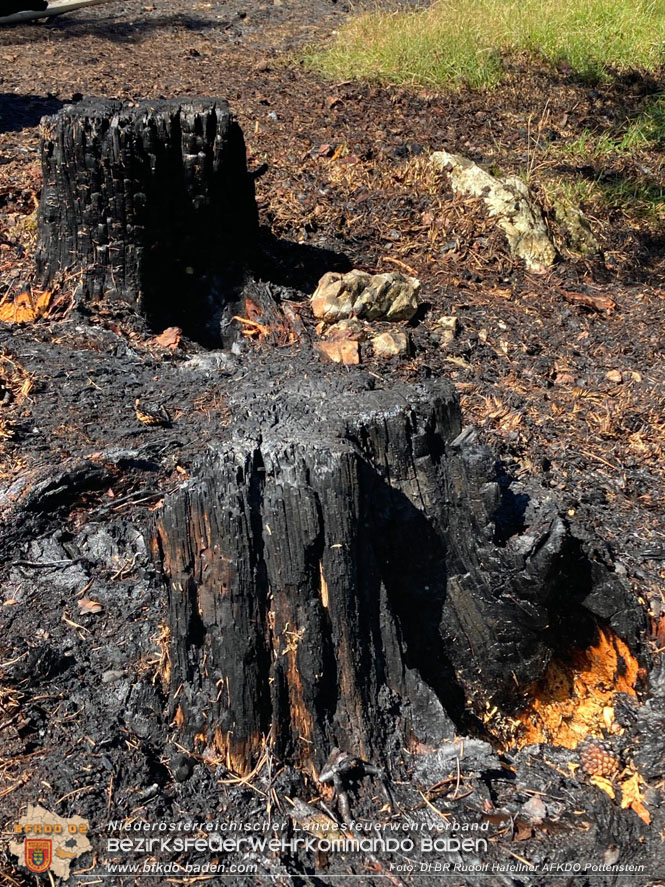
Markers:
38,854
47,842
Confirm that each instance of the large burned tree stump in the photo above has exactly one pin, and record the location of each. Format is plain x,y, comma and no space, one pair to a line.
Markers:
346,571
150,203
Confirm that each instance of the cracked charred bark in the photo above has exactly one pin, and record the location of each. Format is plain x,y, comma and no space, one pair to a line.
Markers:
150,204
348,572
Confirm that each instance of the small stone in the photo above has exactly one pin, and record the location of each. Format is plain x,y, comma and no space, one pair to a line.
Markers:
534,810
445,329
348,328
614,376
109,677
390,344
391,296
580,237
336,294
148,792
182,767
611,855
341,350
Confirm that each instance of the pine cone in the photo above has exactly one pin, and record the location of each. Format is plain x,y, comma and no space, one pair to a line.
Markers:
597,758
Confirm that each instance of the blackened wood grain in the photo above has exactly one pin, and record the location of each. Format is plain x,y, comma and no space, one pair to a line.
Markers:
148,203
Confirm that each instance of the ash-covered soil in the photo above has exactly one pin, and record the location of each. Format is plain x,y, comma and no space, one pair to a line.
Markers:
84,723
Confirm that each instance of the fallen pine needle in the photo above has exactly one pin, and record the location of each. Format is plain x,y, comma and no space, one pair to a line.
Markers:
519,858
400,263
432,807
77,791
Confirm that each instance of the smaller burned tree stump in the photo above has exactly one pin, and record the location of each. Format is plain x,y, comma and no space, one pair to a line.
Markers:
346,572
151,203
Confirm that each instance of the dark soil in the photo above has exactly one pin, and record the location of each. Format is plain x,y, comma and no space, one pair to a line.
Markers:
84,722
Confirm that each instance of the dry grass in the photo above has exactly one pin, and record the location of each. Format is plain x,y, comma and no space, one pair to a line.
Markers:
14,378
15,387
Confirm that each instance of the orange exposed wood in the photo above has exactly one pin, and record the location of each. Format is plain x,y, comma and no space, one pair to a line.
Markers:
301,719
25,307
238,757
575,698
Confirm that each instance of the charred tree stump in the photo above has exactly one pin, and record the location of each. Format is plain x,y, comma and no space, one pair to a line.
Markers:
151,204
347,572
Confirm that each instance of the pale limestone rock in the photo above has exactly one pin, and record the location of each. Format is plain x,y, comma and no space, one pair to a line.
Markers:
509,202
392,296
336,294
581,238
390,344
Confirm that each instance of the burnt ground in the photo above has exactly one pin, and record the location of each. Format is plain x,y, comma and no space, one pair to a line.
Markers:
84,721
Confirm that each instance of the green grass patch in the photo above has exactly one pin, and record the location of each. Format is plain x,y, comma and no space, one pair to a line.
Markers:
644,199
635,198
463,42
645,132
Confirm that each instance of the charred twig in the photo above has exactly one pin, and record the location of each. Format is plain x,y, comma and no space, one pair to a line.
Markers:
136,498
45,565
